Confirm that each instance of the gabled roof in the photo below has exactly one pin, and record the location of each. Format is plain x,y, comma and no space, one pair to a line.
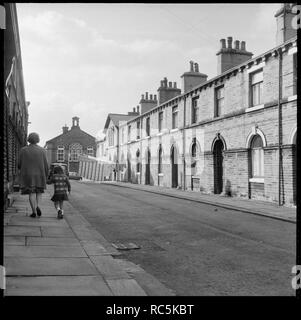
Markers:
67,133
116,118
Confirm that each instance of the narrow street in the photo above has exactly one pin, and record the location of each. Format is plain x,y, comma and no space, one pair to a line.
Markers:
192,248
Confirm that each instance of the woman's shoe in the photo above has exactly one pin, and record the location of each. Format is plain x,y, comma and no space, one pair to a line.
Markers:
39,212
33,215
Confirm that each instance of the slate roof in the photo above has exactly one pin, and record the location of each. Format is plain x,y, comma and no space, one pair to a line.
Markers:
117,117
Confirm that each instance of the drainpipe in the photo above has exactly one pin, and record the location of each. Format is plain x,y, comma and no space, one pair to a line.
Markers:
184,145
117,161
279,127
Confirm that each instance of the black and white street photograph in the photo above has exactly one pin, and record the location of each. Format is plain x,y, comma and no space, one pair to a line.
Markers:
150,150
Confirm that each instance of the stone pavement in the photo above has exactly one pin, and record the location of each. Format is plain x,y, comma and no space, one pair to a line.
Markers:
256,207
47,256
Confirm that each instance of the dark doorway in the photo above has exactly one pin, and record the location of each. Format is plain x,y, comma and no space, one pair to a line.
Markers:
147,168
129,170
294,149
174,167
218,166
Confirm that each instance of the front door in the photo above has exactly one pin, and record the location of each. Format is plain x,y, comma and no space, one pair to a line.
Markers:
174,168
218,166
147,168
129,171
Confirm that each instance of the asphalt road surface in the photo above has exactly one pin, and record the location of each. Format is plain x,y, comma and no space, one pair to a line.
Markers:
194,249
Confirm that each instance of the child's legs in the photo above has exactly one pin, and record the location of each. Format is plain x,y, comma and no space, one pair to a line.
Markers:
61,204
56,205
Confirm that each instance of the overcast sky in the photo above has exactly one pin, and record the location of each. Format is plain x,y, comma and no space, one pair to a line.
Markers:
87,60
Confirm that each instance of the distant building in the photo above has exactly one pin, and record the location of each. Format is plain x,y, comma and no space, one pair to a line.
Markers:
15,110
68,146
234,134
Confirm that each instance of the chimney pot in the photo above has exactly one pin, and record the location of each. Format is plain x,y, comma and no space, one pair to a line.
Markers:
236,42
162,83
134,109
191,66
146,95
150,97
175,85
155,97
165,82
196,67
223,43
170,84
229,42
138,109
142,96
243,45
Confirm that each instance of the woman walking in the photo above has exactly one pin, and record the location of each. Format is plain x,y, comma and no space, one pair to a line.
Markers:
61,184
33,167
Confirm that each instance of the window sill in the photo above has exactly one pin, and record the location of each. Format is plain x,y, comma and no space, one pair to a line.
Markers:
195,177
148,137
292,98
292,50
138,173
258,107
159,134
257,180
174,130
160,174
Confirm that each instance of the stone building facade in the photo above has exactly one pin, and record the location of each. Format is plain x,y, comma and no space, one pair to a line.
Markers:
15,108
234,134
69,145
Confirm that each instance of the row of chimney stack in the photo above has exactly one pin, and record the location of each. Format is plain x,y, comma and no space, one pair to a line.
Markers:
237,44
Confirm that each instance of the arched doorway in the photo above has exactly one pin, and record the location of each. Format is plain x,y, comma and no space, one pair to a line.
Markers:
218,166
129,169
174,167
147,167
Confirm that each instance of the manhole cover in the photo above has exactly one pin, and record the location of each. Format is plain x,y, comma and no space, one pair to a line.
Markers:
143,244
125,246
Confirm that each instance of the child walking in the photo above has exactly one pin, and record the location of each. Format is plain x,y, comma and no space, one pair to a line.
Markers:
61,184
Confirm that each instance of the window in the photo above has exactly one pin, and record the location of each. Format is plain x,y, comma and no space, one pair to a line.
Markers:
60,156
90,151
122,135
175,117
147,126
160,160
138,164
219,101
129,133
111,136
75,150
160,121
138,129
194,110
256,88
193,158
257,155
295,74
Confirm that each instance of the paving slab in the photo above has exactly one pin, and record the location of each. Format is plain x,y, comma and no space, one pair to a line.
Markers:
62,241
49,266
57,286
40,222
108,267
22,231
15,240
43,252
93,248
57,232
125,287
